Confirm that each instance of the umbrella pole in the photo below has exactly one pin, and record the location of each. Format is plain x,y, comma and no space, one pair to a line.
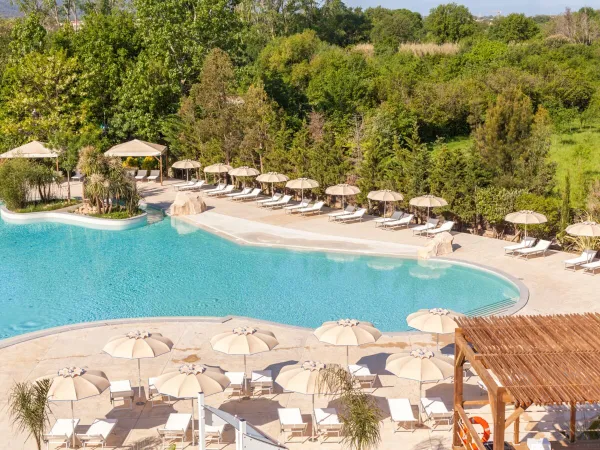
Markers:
420,402
140,402
73,422
347,352
312,413
193,434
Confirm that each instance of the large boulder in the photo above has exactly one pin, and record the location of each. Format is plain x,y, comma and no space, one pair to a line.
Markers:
440,245
187,204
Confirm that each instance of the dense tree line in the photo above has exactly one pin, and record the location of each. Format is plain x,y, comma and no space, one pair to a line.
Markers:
374,97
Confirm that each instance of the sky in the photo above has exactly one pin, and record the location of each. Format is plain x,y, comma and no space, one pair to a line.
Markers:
483,7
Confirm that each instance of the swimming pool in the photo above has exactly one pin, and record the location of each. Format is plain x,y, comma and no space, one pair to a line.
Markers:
54,274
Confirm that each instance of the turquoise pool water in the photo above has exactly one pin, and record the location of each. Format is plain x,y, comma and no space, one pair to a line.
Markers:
52,274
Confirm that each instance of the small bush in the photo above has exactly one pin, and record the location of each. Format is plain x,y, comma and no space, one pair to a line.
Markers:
548,206
149,163
131,163
14,186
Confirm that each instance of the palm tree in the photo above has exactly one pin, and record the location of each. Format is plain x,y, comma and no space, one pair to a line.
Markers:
97,190
360,415
28,407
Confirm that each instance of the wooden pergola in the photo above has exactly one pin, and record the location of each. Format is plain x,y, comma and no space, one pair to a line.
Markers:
524,361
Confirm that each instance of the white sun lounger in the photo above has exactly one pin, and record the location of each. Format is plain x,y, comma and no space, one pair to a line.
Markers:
446,226
404,221
61,432
131,172
237,194
192,187
363,375
249,196
279,203
175,428
538,444
121,390
591,268
98,432
436,411
587,256
397,215
357,215
290,421
219,187
327,423
525,243
540,248
273,199
349,210
430,225
154,175
237,384
154,396
141,175
226,190
185,183
401,414
214,427
295,208
314,209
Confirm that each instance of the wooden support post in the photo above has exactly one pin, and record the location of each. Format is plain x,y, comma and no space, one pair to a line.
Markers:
161,169
516,437
573,422
499,419
458,385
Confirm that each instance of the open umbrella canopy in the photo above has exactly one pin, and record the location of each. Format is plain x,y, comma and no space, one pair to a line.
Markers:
342,189
217,168
190,379
244,341
244,171
137,149
385,195
303,378
420,365
302,183
428,201
526,217
186,164
272,177
74,383
137,345
347,332
33,149
436,320
587,229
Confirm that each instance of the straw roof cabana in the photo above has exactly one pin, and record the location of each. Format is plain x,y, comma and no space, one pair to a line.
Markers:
139,149
526,360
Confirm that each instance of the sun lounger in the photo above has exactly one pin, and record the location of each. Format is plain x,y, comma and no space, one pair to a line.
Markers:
279,203
314,209
61,433
290,421
538,444
219,187
154,175
275,198
327,423
236,385
357,215
404,221
78,176
401,414
591,268
121,390
436,411
587,256
397,215
175,428
214,427
249,196
156,397
141,175
237,194
363,375
429,225
446,226
226,190
540,248
98,432
349,210
192,187
185,183
295,208
131,172
261,381
525,243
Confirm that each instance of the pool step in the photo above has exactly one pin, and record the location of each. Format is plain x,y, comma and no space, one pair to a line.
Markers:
492,309
154,215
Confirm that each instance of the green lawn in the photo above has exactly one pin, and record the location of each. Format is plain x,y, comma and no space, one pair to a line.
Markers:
51,206
118,214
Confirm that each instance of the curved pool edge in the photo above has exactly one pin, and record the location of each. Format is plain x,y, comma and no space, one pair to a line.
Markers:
95,223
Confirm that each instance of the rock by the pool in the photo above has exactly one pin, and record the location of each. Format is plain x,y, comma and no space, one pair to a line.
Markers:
187,204
440,245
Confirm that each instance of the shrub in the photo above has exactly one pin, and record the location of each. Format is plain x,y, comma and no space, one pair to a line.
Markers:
14,188
494,204
131,162
149,163
548,206
418,49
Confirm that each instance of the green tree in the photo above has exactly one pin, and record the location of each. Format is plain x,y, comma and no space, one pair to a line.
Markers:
418,165
340,25
513,28
494,203
28,35
565,208
28,409
396,27
450,23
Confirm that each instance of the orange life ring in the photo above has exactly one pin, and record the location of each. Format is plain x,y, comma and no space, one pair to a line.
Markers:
476,421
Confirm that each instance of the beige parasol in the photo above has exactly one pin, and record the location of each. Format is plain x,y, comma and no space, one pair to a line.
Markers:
428,201
385,196
138,345
586,229
218,168
301,184
343,190
244,172
244,341
74,383
191,379
347,332
186,164
526,217
272,177
435,320
420,365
